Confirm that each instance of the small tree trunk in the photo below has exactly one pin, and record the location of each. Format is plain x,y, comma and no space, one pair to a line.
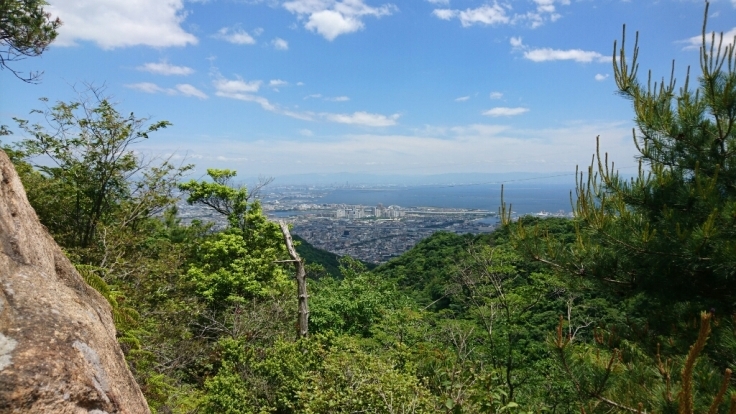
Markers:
301,282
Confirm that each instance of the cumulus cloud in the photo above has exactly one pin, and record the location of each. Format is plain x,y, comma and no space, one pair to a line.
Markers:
121,23
547,54
146,87
363,118
164,68
331,18
504,111
189,90
235,35
695,42
275,83
599,77
183,89
487,14
227,87
577,55
496,95
495,13
545,11
280,44
462,99
242,90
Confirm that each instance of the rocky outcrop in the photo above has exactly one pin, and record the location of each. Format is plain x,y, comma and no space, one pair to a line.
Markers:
58,352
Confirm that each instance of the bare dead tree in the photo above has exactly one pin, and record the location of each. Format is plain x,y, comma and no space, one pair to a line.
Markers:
255,190
301,281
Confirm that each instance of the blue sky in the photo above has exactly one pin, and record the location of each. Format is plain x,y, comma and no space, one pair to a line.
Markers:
279,87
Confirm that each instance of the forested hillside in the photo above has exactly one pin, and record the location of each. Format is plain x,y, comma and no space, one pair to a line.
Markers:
628,307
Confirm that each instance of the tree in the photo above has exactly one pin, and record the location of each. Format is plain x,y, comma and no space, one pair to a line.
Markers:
669,231
94,178
241,262
25,30
661,243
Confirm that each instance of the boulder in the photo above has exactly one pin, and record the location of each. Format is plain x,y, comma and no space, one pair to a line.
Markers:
58,352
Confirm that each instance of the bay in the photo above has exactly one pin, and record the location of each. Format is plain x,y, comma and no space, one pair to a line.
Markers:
525,199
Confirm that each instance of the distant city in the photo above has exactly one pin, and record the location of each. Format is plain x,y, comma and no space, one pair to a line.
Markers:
372,233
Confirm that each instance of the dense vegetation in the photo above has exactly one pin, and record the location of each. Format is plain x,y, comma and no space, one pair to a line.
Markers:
628,307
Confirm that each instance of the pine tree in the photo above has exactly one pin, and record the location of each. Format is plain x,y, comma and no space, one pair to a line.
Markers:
670,231
661,245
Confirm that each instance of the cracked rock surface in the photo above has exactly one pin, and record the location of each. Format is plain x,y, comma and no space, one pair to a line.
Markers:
58,352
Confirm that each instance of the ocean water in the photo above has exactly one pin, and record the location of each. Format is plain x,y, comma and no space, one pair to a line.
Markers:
526,198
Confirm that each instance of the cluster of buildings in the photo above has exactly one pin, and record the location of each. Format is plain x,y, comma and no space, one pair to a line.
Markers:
359,212
373,234
377,241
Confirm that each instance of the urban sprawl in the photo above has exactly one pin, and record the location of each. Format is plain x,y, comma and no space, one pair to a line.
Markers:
372,234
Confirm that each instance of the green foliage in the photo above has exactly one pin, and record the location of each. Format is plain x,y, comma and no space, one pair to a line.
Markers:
352,380
241,262
90,182
658,247
353,304
26,30
124,317
329,262
228,268
221,195
424,271
671,229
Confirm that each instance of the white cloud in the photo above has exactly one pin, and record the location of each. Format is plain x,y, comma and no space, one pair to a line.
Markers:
226,87
547,54
444,14
306,132
164,68
363,118
486,14
189,90
495,13
545,11
462,99
446,2
599,77
245,91
242,90
275,83
577,55
121,23
183,89
496,95
280,44
331,18
466,148
235,35
146,87
327,98
504,111
696,42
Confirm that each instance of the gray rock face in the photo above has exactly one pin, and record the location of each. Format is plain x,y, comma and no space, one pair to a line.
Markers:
58,352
